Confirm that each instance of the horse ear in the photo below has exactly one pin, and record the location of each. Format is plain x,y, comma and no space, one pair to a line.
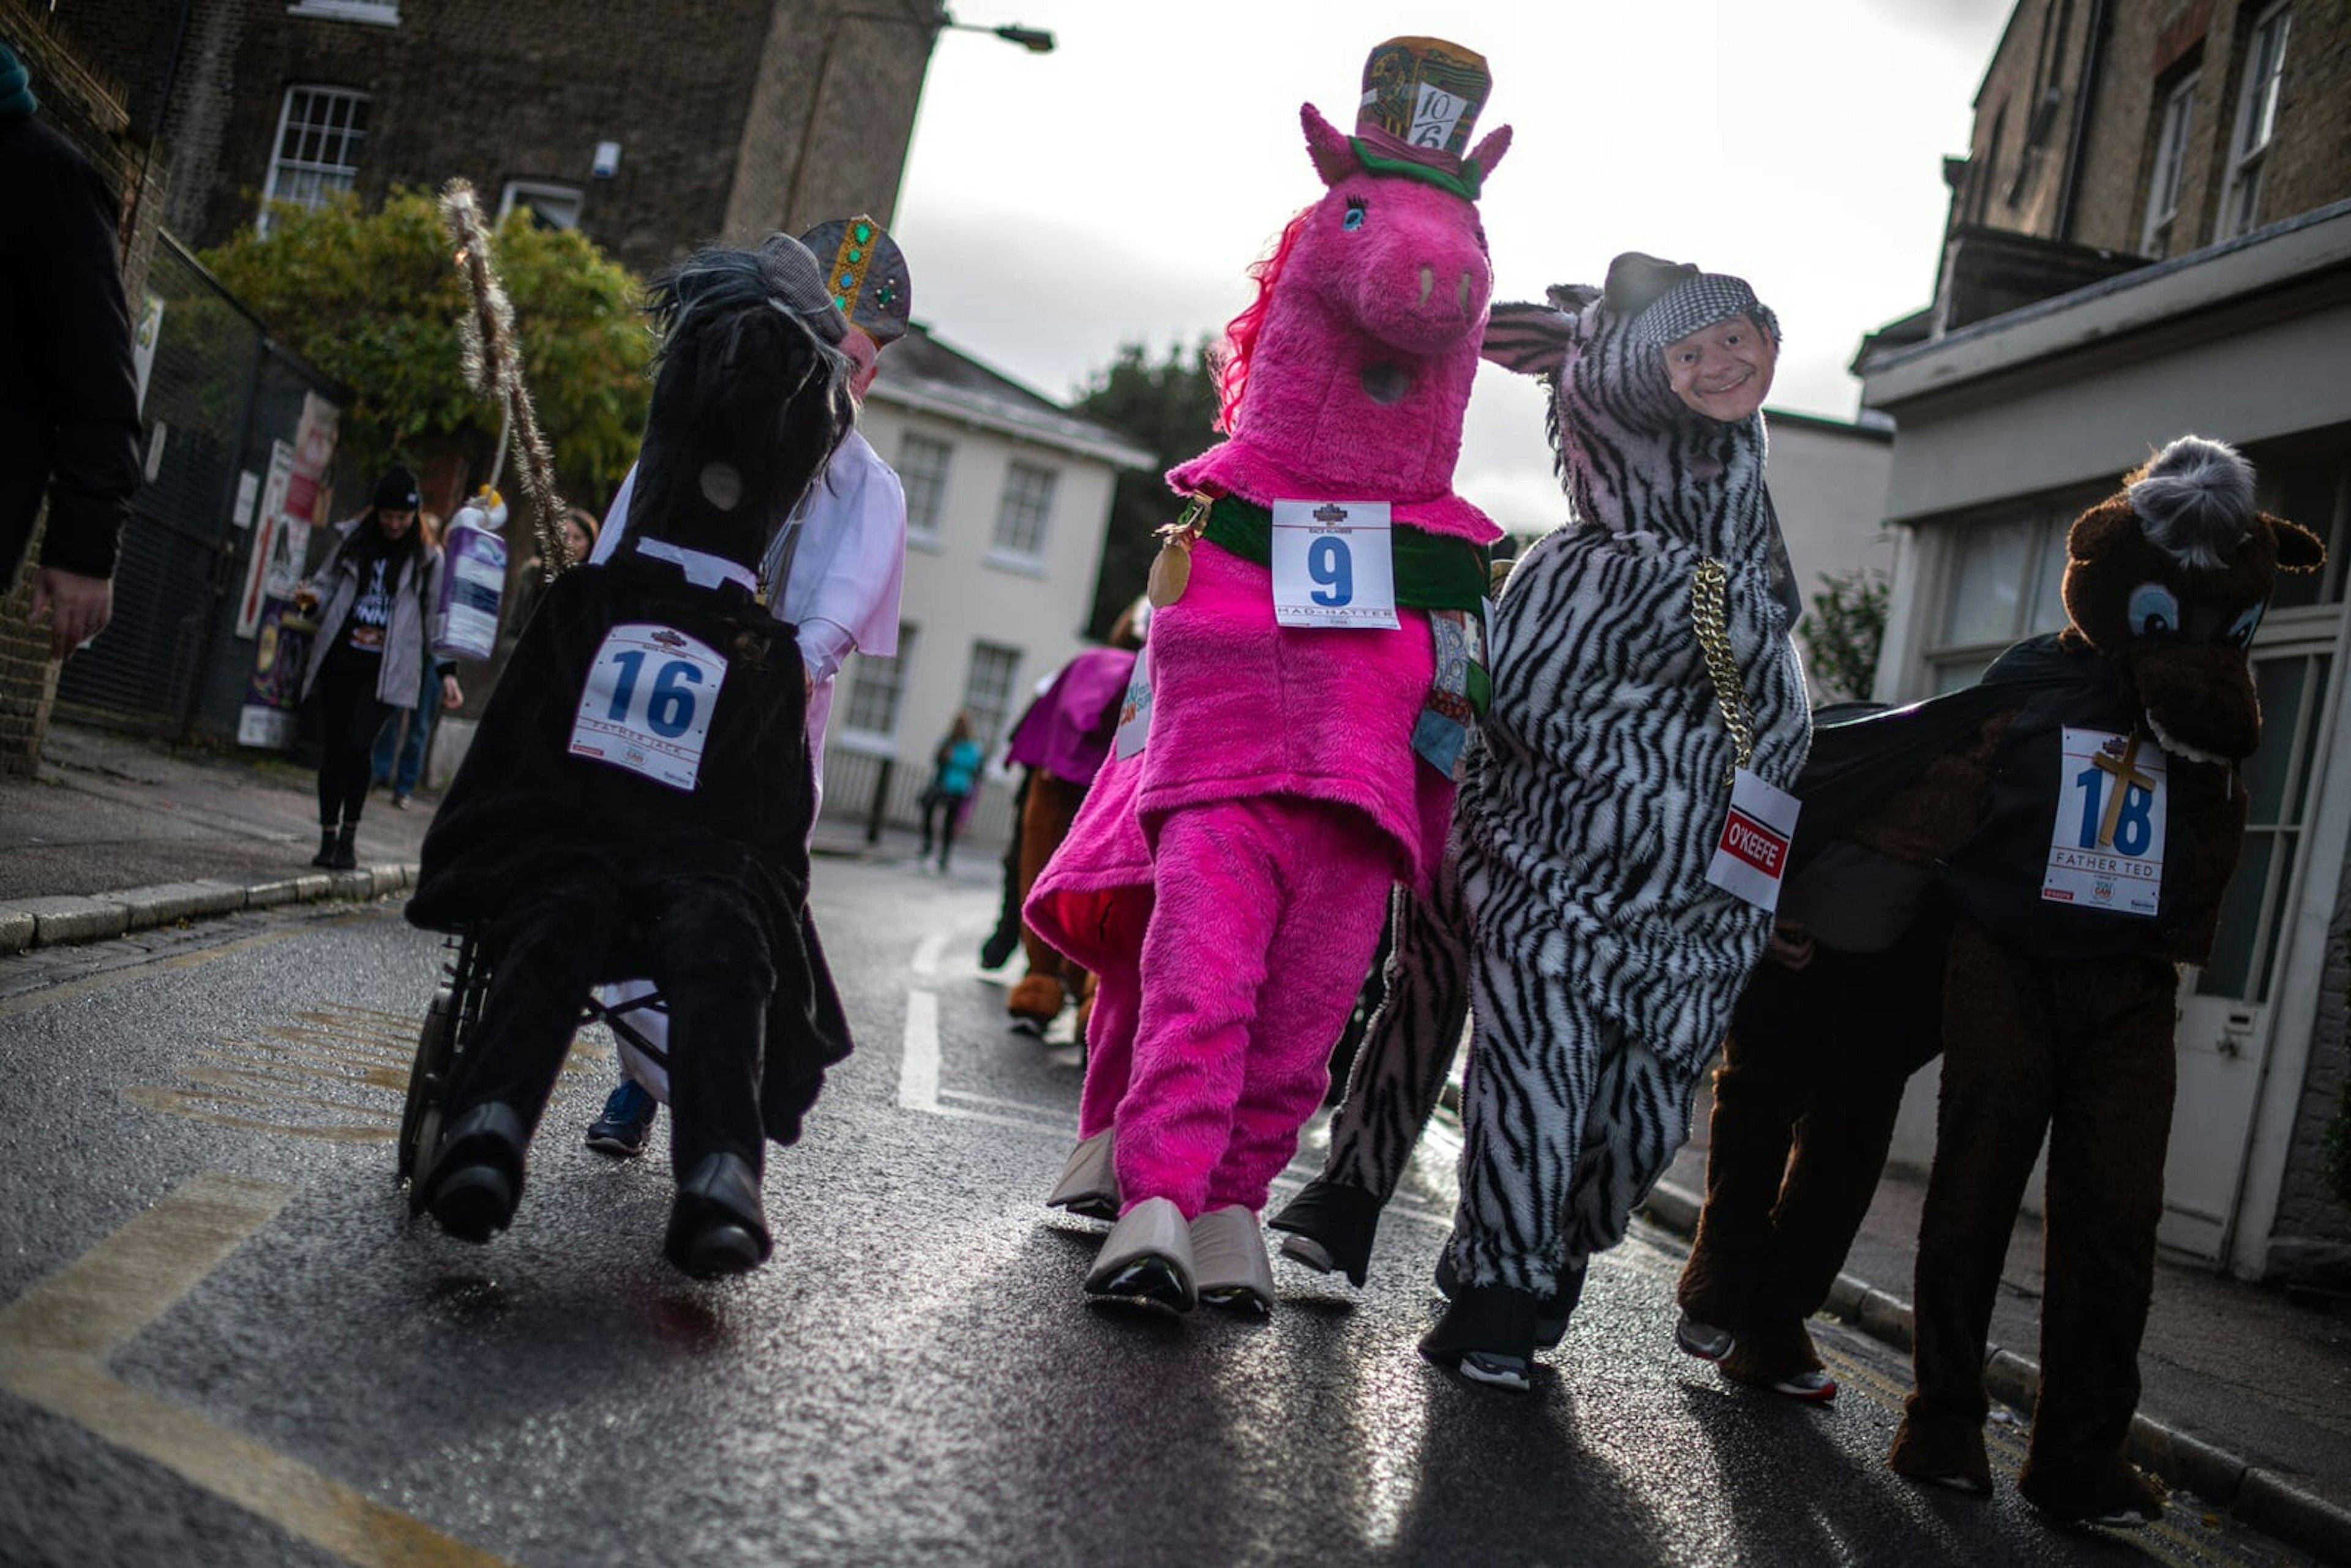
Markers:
1572,297
2298,549
1488,152
1532,339
1327,145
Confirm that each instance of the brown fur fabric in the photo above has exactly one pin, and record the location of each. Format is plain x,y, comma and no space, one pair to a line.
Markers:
2082,1047
1053,805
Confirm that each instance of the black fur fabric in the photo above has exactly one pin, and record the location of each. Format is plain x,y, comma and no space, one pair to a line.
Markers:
522,815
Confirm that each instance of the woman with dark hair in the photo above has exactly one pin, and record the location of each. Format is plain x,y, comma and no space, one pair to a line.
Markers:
369,655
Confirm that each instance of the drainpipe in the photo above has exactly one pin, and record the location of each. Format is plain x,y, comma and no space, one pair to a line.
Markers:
2091,58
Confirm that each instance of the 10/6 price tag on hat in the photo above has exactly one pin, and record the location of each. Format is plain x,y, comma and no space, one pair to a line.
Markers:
1333,565
1751,858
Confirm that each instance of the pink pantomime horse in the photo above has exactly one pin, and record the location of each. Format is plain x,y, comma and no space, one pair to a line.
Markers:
1227,882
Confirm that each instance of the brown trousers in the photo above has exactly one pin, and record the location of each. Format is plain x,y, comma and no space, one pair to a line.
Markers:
2081,1050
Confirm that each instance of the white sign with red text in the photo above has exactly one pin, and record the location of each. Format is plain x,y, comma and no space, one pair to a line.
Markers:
1751,858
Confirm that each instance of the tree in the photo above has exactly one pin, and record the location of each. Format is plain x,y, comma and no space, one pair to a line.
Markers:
1842,632
1169,409
372,300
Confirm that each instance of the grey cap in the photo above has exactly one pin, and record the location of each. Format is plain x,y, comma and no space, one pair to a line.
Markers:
1700,302
795,281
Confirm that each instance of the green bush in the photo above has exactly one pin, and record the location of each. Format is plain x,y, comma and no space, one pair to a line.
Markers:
374,299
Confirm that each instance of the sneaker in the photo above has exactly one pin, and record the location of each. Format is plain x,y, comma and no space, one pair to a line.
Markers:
1814,1387
626,1123
400,802
1709,1343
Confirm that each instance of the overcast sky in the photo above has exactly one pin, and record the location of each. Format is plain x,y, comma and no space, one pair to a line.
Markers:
1057,205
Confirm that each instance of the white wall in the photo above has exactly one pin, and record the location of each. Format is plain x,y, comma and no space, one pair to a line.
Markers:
958,591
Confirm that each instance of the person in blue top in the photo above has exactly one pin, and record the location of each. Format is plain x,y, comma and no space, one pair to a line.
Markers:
955,773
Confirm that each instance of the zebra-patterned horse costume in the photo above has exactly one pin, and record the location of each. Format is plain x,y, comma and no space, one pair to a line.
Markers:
1573,915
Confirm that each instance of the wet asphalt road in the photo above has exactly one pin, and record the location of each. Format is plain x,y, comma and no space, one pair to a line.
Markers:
224,1342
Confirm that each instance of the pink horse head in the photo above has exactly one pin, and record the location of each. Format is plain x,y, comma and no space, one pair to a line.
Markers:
1347,378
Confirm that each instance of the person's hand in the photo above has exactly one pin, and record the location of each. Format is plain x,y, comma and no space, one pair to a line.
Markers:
79,607
1791,947
450,696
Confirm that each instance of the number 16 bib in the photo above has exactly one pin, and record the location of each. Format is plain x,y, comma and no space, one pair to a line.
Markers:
647,703
1333,565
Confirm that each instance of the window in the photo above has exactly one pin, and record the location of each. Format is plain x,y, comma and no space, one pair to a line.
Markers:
2005,583
988,690
319,132
875,687
1026,509
550,207
2257,108
381,13
2170,157
2255,910
923,473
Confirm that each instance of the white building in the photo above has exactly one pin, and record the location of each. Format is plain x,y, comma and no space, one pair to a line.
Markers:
1827,479
1007,499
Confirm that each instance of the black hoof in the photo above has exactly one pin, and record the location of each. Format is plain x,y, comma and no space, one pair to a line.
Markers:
717,1226
1337,1222
476,1176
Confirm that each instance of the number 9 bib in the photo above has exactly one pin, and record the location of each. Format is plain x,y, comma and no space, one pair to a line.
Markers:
647,703
1333,565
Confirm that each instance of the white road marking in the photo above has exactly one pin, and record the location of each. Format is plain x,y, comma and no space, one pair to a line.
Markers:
925,961
918,1070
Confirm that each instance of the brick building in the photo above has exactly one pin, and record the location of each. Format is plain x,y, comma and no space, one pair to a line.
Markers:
2151,235
652,125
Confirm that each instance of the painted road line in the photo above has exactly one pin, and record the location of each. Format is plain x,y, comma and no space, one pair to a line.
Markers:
54,1341
927,953
918,1069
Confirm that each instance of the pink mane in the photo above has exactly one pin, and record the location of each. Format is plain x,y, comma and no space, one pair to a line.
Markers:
1232,355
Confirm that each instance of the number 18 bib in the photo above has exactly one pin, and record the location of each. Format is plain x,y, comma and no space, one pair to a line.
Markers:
2105,851
647,704
1333,565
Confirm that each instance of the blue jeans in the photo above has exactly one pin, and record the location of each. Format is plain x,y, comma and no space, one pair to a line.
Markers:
400,746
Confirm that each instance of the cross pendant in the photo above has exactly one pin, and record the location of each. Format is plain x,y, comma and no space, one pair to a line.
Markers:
2125,773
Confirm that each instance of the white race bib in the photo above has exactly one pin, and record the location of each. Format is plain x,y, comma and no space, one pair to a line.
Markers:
2105,849
1751,858
647,704
1333,565
1134,712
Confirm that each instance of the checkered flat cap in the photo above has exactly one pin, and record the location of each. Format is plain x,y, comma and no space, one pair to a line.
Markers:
1700,302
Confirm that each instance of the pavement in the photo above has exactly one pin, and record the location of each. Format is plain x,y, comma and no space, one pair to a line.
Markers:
2246,1398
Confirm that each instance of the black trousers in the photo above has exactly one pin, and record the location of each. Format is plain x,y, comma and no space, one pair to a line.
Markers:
351,716
703,943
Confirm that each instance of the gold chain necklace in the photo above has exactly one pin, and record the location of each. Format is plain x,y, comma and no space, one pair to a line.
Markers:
1709,619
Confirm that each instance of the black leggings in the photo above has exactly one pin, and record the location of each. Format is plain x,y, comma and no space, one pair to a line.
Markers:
351,716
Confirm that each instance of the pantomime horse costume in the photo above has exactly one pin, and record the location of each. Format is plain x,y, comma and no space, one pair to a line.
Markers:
640,791
2081,808
1227,883
1640,653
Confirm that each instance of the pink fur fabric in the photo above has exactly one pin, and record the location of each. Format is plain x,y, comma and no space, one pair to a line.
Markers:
1244,709
1267,914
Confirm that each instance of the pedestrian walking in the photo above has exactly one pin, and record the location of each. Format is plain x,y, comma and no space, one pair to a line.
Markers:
68,395
369,657
955,777
400,746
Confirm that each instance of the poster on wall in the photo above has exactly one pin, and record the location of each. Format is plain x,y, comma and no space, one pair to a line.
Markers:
144,338
269,544
281,651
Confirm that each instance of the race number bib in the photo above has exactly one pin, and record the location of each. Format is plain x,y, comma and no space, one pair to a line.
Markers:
1751,858
2106,850
647,704
1333,565
1134,712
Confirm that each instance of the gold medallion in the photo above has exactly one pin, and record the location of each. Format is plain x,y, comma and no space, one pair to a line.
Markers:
1171,571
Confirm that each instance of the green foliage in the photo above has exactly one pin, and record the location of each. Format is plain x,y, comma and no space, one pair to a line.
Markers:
1168,408
375,300
1842,632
